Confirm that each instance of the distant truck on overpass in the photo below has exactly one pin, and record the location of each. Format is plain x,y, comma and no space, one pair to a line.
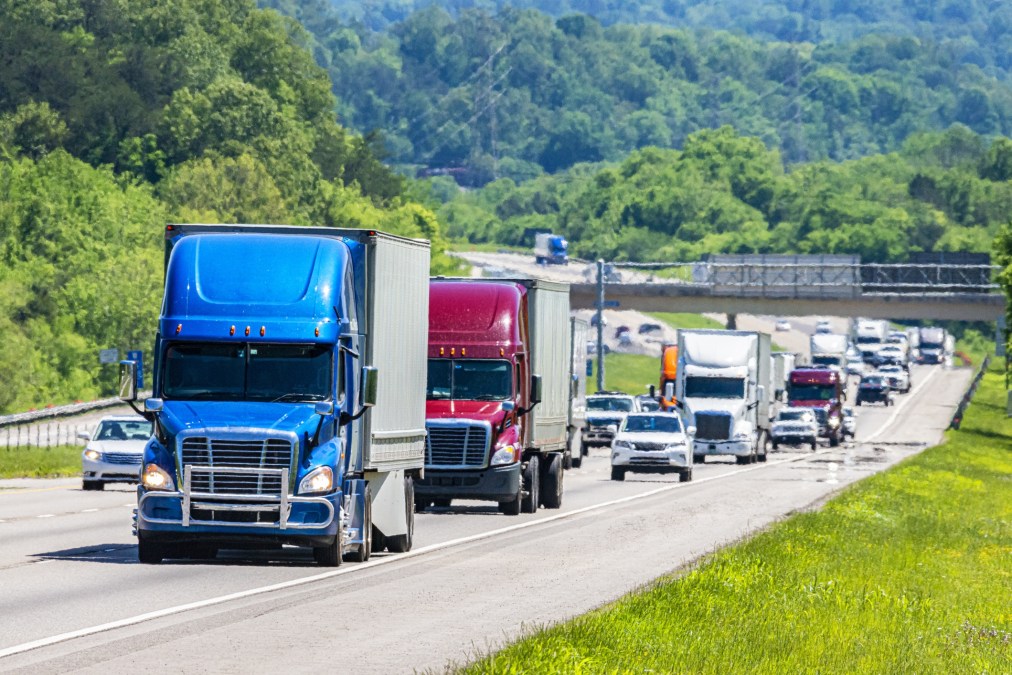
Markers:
551,249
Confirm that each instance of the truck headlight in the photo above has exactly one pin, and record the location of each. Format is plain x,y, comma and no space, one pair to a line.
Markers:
505,455
155,477
741,435
612,428
317,480
93,455
834,422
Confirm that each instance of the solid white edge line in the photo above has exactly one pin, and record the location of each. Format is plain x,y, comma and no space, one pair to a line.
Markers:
200,604
901,406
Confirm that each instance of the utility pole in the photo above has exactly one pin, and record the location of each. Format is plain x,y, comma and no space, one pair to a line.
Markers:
600,325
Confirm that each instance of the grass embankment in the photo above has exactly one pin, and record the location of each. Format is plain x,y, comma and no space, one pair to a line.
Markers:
907,571
33,462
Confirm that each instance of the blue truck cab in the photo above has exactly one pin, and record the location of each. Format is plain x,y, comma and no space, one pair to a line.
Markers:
289,393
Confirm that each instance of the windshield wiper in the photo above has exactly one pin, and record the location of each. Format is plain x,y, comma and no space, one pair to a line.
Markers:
488,397
296,396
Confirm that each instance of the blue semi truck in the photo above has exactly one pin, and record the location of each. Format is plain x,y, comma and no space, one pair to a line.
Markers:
289,393
550,249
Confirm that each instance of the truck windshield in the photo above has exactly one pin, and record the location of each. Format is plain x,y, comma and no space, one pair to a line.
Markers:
868,340
714,387
826,360
469,380
811,392
218,371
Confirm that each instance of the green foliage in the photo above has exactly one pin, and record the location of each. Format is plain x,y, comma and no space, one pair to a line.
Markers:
492,95
905,571
631,373
727,193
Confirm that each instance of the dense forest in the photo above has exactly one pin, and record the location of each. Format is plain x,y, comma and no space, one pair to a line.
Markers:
119,117
722,192
518,93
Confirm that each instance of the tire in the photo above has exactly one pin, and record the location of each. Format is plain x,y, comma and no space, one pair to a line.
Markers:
567,460
743,459
378,539
364,550
617,473
148,552
858,402
815,443
401,543
421,503
511,508
331,555
775,445
92,485
685,476
531,481
442,502
834,440
551,482
577,461
699,459
764,443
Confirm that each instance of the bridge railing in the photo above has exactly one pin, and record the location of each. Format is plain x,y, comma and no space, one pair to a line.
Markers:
807,280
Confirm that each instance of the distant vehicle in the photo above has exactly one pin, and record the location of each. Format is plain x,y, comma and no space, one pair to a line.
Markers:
898,378
795,426
822,390
592,348
874,389
830,350
593,320
849,421
652,443
620,330
782,325
551,249
891,355
823,327
611,275
649,328
625,339
855,366
115,451
931,341
648,403
870,335
605,412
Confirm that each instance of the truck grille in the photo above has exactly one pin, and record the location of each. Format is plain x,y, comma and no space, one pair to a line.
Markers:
270,453
713,426
457,445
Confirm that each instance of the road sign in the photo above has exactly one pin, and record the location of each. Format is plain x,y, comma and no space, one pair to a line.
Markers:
607,303
108,356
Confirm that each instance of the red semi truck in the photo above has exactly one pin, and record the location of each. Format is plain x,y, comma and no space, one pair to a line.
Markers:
822,390
498,394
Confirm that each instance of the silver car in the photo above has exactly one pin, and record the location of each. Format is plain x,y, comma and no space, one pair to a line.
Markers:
654,442
114,451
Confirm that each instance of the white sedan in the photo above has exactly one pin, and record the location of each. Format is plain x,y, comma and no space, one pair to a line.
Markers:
897,377
114,451
654,442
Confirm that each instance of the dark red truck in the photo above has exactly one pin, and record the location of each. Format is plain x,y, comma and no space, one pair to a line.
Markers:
821,389
498,393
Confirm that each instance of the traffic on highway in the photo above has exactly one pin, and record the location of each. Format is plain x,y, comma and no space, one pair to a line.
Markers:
462,467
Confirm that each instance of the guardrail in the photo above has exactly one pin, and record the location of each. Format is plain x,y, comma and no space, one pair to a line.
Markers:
49,427
56,411
957,417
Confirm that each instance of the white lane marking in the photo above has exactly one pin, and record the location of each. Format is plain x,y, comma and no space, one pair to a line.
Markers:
901,406
90,511
47,515
157,614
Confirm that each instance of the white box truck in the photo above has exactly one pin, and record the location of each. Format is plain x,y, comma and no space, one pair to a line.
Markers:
830,350
723,385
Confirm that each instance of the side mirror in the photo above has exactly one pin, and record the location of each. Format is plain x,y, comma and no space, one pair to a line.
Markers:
760,392
370,386
669,390
83,436
324,408
691,431
128,381
507,406
536,389
153,405
652,391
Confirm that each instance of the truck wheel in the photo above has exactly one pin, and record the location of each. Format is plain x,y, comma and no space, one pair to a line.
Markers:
775,445
532,483
149,552
511,508
834,440
617,473
364,550
330,556
699,459
685,476
92,485
378,539
567,460
764,444
814,443
857,402
743,459
442,503
577,461
551,482
421,503
401,543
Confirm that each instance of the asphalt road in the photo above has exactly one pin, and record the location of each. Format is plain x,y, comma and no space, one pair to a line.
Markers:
74,597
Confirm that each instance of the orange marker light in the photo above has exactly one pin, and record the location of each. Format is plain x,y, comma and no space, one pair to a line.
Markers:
317,331
453,351
442,351
262,331
231,331
247,331
179,328
463,352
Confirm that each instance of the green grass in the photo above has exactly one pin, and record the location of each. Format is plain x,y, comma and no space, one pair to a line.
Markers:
684,320
905,572
33,462
631,373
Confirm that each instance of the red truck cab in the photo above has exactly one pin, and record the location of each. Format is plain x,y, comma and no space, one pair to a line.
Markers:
821,389
481,392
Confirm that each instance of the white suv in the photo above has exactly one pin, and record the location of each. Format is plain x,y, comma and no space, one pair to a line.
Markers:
654,442
795,426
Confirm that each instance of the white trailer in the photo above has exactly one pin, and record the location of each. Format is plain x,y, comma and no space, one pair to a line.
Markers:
830,350
579,331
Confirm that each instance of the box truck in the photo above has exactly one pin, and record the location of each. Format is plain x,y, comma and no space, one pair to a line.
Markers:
498,394
289,393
